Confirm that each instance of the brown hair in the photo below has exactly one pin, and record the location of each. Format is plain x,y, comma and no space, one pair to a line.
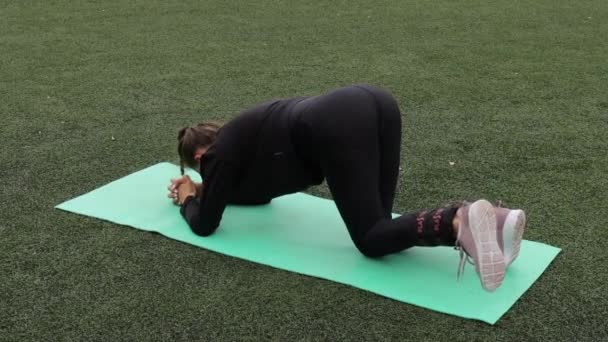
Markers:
189,139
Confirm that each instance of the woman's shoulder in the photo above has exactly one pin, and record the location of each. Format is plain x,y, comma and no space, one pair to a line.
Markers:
250,116
241,134
237,137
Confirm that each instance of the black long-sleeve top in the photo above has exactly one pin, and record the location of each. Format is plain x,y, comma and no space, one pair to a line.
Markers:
262,153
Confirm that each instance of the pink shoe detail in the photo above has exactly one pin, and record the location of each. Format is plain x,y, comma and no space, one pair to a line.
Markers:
420,223
437,221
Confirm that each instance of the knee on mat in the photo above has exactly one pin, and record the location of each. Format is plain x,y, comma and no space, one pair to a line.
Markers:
369,250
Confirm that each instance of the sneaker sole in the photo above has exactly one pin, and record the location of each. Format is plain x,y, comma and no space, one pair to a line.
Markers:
512,234
491,263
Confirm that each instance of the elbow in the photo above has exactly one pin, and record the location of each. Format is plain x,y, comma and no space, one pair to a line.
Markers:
201,225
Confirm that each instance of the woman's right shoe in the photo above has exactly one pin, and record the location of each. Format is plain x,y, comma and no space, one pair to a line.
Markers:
477,237
510,226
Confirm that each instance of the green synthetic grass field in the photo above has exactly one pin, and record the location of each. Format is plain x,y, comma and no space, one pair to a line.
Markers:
514,93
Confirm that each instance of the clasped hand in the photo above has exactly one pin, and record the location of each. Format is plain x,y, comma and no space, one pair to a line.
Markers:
181,188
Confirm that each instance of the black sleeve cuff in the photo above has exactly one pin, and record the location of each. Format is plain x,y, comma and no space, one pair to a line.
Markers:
185,204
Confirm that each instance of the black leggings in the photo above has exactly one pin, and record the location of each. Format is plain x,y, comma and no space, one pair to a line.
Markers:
357,134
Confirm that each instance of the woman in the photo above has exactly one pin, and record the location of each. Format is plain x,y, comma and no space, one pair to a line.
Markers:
351,137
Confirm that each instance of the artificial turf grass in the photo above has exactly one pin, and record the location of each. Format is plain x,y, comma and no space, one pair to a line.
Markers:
511,92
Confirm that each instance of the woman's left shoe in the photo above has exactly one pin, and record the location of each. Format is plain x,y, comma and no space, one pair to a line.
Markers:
477,239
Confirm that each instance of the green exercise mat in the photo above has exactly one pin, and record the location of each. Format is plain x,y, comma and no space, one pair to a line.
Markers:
305,234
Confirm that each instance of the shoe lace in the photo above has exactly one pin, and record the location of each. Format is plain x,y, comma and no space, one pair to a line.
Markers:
464,258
